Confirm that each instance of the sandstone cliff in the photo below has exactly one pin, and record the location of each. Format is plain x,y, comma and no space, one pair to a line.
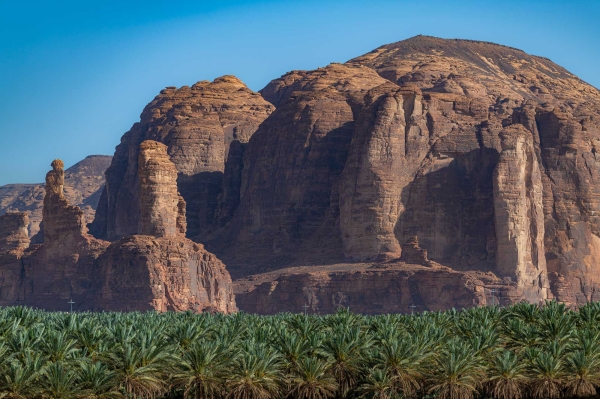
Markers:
164,270
198,124
485,154
84,183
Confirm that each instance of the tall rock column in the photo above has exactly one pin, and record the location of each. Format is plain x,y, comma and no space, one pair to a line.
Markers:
161,269
162,208
64,224
519,215
389,143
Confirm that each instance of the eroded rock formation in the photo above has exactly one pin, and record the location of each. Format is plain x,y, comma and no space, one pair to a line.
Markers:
488,155
197,124
368,288
165,271
13,231
161,271
519,214
83,184
162,208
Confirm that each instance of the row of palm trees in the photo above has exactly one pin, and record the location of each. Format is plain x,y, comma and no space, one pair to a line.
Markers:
523,351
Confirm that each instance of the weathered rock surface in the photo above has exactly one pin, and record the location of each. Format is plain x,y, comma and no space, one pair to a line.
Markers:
369,288
197,124
487,154
161,269
436,152
161,273
84,183
162,208
13,231
519,214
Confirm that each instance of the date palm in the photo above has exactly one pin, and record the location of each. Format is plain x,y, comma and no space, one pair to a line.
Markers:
310,380
202,369
96,381
58,381
546,371
20,378
457,372
377,385
139,370
344,350
255,374
506,376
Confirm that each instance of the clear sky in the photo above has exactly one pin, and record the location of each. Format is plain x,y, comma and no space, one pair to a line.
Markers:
75,75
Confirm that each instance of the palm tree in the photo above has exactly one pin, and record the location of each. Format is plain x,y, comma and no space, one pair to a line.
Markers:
310,380
202,370
403,359
255,374
344,348
377,385
97,381
506,376
546,371
58,381
582,375
19,379
457,372
139,370
58,347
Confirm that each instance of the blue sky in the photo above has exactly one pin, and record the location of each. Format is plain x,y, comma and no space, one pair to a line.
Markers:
75,75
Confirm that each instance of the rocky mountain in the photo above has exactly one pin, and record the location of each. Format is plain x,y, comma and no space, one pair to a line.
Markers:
161,270
428,173
84,183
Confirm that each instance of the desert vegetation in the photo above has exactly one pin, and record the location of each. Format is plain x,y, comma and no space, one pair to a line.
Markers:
523,351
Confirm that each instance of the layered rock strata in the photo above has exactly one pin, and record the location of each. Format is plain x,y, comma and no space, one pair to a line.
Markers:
519,214
165,271
61,268
83,184
197,124
369,288
13,231
425,137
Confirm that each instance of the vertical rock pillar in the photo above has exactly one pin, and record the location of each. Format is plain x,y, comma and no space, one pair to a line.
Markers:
519,216
162,208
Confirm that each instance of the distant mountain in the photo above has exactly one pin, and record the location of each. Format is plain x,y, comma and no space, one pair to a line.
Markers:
84,183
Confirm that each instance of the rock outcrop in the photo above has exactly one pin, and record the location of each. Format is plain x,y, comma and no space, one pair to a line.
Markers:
83,185
487,154
13,231
412,253
519,214
198,125
165,271
161,271
61,268
369,288
162,208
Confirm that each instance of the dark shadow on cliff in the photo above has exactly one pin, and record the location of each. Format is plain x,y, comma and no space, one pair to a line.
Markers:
451,210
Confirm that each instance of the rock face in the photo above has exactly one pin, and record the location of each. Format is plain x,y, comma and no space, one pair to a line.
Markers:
367,288
198,125
162,208
164,274
61,268
519,214
487,154
165,271
13,231
83,185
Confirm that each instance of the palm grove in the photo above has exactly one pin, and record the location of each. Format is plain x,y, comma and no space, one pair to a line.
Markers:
524,351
